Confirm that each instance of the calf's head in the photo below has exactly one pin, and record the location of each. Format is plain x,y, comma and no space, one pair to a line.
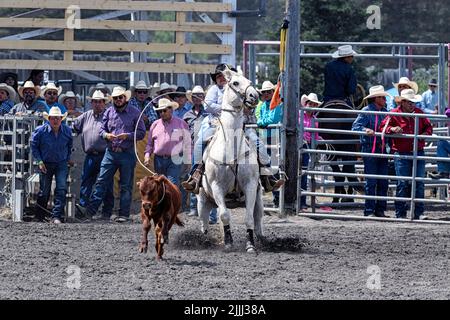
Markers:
151,189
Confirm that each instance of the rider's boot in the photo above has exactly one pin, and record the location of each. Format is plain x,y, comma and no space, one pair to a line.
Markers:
269,181
193,183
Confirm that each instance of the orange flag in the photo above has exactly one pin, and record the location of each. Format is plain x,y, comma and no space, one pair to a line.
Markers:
276,100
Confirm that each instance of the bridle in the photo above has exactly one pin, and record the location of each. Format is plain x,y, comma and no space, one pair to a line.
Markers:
242,95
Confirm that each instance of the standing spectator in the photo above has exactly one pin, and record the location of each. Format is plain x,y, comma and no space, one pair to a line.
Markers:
50,94
340,78
184,105
404,147
37,77
51,145
29,93
11,79
118,128
72,103
403,84
88,125
7,97
308,101
141,99
443,150
169,140
369,124
430,103
103,88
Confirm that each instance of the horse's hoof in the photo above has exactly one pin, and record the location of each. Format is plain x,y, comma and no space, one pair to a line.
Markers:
143,249
250,248
205,231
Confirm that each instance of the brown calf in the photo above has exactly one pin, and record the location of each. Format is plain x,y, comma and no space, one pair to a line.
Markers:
161,203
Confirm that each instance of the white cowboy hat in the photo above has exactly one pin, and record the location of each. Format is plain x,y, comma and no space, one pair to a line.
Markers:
118,91
377,91
99,86
311,97
154,89
166,86
69,94
50,86
166,103
266,86
99,95
29,85
409,95
9,89
54,112
404,80
344,51
197,90
141,85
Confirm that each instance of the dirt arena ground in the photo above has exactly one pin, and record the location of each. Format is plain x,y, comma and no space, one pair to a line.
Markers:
301,259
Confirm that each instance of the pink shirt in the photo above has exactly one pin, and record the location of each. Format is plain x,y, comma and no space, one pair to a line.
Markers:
307,120
169,138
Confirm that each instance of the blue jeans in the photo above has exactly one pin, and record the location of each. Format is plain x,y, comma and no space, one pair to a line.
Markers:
304,181
403,167
376,187
443,149
91,169
60,171
113,161
165,166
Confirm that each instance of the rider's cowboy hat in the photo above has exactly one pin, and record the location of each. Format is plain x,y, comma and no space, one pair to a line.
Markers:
141,85
311,97
29,85
99,86
67,95
219,69
377,91
198,90
119,91
166,103
266,86
50,86
409,95
99,95
54,112
9,89
433,83
404,80
344,51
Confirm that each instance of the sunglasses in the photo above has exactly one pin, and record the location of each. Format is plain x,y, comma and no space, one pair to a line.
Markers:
51,93
267,92
165,110
118,98
141,91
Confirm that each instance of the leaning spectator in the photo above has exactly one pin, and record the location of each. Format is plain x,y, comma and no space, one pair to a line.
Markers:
369,123
7,97
51,145
404,147
29,93
443,150
72,102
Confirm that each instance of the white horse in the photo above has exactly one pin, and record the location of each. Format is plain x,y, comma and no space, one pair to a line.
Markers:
229,160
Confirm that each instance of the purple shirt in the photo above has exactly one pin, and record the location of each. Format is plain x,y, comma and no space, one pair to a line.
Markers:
122,122
169,138
89,125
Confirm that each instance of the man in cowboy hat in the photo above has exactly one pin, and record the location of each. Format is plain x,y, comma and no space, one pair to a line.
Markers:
118,129
430,103
403,84
340,78
170,141
88,125
50,94
51,146
7,96
370,124
103,88
72,103
403,167
29,93
184,105
141,99
443,150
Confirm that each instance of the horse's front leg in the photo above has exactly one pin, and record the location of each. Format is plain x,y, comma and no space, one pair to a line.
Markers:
146,226
251,191
224,213
204,208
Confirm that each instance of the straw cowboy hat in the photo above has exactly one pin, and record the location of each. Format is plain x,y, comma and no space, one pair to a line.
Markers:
266,86
196,91
67,95
344,51
29,85
9,89
119,91
141,85
54,112
99,95
154,89
409,95
404,80
165,86
50,86
166,103
377,91
311,97
99,86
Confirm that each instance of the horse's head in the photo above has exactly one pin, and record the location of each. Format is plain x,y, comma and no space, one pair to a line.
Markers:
241,90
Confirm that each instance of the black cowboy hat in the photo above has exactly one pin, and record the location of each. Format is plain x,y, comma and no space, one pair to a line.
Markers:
178,93
221,67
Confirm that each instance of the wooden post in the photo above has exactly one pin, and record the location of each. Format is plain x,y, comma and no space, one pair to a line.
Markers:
291,101
69,35
180,40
